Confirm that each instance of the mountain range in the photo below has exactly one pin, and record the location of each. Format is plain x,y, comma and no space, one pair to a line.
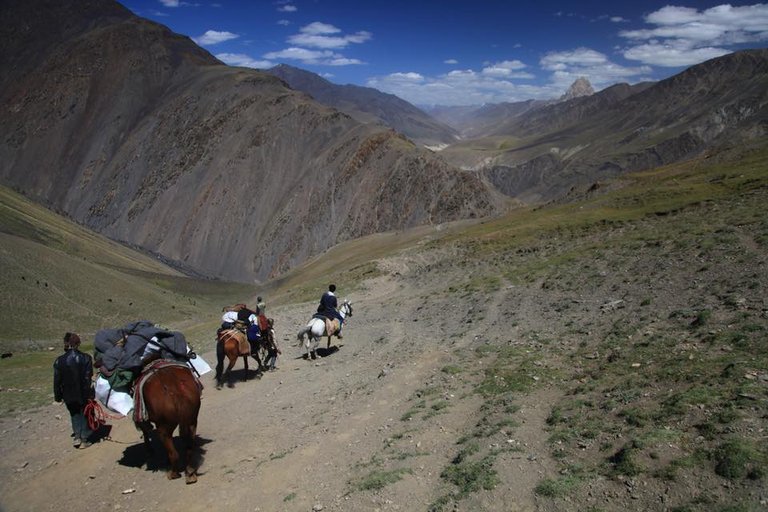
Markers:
139,134
370,106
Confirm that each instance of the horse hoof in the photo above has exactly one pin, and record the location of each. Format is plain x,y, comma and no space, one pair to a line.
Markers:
230,385
191,479
173,475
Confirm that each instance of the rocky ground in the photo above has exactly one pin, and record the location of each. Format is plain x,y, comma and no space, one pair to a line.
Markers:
617,381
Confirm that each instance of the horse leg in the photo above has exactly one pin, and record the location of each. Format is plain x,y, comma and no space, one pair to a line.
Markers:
245,363
165,433
219,364
228,371
315,342
146,432
188,433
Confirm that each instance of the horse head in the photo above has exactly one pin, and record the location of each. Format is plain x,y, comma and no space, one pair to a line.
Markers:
346,308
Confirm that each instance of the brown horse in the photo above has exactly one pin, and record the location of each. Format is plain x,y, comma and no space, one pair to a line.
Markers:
171,398
228,345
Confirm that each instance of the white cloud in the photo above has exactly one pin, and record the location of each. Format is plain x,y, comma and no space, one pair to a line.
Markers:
242,60
458,87
684,36
567,66
508,80
287,8
617,19
578,57
315,57
318,28
321,35
450,61
170,3
284,23
214,37
669,55
506,69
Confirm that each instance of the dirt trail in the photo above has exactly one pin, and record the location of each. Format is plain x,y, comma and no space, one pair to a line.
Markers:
298,437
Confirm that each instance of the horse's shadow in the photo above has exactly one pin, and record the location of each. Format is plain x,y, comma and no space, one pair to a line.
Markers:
323,352
136,456
238,376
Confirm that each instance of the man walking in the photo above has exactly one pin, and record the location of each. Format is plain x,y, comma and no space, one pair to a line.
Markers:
72,384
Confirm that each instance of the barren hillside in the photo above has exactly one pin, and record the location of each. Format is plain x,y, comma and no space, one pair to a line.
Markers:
141,135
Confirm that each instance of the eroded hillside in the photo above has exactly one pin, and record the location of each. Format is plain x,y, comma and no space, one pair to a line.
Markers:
138,133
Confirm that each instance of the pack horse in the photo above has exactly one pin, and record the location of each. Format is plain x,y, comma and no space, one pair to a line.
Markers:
316,329
170,394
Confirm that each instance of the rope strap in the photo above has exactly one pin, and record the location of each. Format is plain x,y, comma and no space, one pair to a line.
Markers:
96,415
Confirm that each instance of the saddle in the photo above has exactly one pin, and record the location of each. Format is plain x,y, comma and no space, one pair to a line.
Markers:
244,347
139,408
331,326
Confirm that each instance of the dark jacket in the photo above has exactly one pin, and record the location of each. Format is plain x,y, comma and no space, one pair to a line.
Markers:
72,372
244,314
328,305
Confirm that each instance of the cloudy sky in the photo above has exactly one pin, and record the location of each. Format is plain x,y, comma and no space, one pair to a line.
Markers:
452,52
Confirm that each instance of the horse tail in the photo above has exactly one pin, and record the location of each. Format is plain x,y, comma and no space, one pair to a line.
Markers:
301,334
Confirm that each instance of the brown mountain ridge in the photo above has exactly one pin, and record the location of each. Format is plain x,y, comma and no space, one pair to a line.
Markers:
136,132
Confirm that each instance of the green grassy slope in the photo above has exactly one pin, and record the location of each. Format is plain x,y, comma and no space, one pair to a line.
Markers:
58,277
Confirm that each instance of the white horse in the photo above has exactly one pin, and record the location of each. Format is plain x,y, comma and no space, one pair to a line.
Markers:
315,330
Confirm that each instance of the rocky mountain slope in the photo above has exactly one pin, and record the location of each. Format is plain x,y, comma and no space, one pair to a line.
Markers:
549,151
369,105
141,135
493,118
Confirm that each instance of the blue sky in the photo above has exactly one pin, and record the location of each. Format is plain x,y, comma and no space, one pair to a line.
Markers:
454,52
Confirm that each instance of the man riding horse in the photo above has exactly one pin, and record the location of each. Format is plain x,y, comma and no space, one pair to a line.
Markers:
329,308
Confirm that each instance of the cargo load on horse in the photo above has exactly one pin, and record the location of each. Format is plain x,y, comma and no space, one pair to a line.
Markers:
121,354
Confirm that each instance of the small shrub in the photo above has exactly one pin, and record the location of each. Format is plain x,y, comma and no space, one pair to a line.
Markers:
634,417
624,461
702,317
472,476
379,479
736,459
556,487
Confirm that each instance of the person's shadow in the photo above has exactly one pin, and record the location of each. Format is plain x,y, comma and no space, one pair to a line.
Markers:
101,433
